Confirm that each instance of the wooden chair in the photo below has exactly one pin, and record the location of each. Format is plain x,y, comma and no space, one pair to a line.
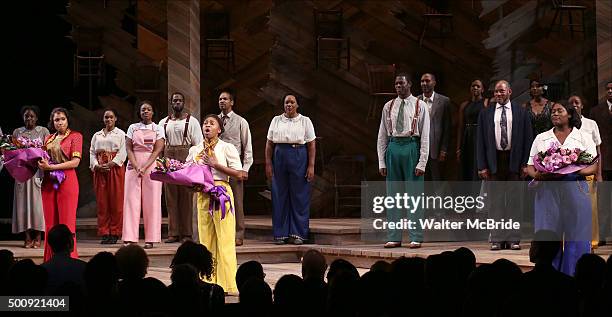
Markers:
561,8
381,80
217,42
349,172
440,14
328,28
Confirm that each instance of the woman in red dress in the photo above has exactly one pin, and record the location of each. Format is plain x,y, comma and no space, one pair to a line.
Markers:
60,201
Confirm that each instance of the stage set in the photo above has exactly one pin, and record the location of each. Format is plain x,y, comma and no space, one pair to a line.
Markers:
341,58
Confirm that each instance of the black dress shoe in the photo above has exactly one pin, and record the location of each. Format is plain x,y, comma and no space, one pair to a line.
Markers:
172,239
496,246
105,239
601,243
113,239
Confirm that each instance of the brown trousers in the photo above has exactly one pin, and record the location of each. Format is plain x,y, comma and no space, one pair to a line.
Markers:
179,199
238,190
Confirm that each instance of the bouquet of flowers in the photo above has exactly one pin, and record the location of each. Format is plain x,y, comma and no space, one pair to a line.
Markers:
562,161
21,156
175,172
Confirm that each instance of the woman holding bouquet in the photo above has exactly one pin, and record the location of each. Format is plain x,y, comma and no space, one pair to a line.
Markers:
28,213
145,140
562,201
217,225
60,197
106,156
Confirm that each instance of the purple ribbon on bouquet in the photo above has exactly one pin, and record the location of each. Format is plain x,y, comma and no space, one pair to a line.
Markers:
57,176
219,195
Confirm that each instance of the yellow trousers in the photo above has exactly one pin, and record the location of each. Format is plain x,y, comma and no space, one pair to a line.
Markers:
218,236
594,215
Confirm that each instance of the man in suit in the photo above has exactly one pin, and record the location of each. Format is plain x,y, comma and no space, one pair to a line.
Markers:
438,107
503,143
602,114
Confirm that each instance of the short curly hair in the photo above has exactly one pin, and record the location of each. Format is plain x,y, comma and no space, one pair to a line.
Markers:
197,255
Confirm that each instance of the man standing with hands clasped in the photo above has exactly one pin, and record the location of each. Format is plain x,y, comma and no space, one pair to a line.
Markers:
182,132
237,133
403,148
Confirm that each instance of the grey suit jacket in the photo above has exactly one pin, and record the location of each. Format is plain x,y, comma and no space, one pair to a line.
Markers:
439,125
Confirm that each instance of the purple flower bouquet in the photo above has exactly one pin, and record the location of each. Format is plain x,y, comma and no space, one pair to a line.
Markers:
174,172
21,157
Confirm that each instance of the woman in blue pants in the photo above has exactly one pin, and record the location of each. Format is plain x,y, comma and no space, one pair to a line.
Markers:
562,202
290,159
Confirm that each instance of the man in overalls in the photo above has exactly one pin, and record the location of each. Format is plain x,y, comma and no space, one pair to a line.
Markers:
182,132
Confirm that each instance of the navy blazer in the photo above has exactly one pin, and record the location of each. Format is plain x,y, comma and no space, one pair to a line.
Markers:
522,138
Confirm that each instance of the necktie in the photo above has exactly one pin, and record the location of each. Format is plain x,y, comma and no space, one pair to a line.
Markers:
224,120
504,129
399,124
429,103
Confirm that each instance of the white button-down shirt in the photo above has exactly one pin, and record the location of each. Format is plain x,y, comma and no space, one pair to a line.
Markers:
576,139
497,120
590,127
422,129
609,105
430,101
296,130
237,133
113,141
226,155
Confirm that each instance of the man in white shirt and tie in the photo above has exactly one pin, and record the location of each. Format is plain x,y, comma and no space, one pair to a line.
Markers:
403,149
503,144
237,133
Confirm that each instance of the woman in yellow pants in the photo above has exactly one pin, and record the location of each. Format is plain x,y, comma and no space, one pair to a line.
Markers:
217,225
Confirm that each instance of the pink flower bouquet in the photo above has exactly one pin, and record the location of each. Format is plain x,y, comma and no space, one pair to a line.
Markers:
562,161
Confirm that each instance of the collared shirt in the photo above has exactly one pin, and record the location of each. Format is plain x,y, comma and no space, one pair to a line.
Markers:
175,130
237,133
159,131
226,155
576,139
609,105
590,127
422,129
497,120
296,130
430,101
114,141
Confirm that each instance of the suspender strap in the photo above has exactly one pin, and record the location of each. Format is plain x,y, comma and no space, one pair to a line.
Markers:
415,119
184,131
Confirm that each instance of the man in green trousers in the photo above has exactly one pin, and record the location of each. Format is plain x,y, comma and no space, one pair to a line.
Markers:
403,149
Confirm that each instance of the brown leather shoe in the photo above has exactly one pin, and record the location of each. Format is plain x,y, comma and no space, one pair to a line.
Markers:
172,239
239,242
392,244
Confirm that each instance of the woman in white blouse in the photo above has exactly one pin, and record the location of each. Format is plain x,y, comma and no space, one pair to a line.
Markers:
106,156
217,226
290,160
144,143
562,202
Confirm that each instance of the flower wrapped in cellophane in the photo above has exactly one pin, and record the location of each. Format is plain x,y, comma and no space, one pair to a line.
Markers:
171,171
